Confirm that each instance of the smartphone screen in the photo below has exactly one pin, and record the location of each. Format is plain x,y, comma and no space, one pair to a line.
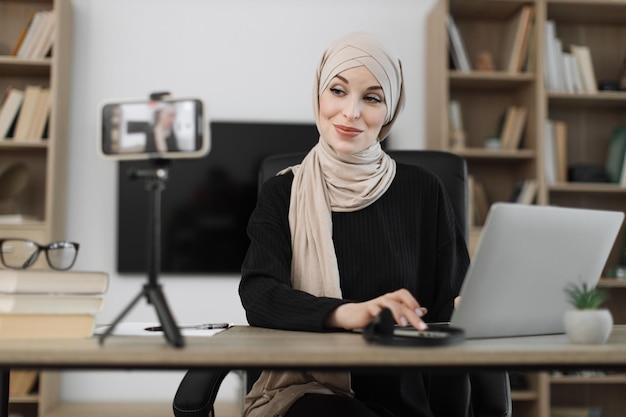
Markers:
140,129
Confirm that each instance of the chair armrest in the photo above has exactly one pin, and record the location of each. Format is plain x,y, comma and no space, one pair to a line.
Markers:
197,392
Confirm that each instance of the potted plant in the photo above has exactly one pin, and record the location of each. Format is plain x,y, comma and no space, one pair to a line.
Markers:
587,323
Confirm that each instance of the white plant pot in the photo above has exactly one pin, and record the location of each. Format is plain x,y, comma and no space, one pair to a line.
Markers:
588,326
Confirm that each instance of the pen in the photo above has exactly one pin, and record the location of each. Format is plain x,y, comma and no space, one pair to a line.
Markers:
204,326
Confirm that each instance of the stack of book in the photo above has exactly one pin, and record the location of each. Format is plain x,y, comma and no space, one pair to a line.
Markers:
46,304
37,37
568,68
24,113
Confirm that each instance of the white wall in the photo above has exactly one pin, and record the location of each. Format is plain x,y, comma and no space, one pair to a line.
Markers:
248,60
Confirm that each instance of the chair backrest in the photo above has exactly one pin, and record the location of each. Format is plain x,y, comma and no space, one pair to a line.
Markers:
450,168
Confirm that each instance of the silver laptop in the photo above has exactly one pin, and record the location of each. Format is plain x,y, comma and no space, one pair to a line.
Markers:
525,257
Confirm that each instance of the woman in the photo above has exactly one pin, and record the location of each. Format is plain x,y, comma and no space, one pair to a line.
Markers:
345,234
161,137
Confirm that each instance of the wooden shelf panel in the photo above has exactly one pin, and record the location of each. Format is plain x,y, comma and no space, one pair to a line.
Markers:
612,283
481,153
602,99
496,80
485,9
10,65
588,12
587,187
601,379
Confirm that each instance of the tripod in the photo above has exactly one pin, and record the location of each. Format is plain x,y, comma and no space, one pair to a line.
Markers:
155,178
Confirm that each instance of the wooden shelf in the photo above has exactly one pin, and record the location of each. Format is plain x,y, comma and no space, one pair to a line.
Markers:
134,409
484,95
587,187
601,379
489,79
12,66
44,196
482,153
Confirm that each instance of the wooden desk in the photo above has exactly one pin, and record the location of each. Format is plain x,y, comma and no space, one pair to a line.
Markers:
248,347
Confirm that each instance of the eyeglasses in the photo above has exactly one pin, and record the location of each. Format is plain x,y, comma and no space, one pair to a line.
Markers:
22,253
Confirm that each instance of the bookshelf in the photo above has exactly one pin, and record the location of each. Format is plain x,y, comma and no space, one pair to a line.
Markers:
589,117
41,201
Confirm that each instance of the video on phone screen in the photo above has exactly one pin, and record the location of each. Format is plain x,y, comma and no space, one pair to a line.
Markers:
155,127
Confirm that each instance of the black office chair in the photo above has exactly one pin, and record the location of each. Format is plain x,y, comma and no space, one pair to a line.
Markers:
478,394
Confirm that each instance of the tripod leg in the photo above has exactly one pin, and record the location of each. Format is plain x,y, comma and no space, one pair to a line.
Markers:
170,328
110,329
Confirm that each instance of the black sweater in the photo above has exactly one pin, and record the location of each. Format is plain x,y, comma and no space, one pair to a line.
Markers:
409,238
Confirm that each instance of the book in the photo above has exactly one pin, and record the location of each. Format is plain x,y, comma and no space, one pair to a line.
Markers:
582,54
550,170
457,131
518,124
9,110
50,303
528,192
43,37
27,112
515,40
46,326
40,116
23,35
42,281
560,149
507,126
481,203
616,154
551,57
457,47
22,381
34,28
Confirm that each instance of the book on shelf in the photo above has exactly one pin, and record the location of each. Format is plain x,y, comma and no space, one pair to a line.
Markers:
27,34
43,281
459,55
550,170
11,105
40,116
457,131
513,124
22,381
39,30
567,71
555,141
515,40
527,191
616,154
44,37
559,137
26,115
479,202
50,303
46,326
551,56
582,55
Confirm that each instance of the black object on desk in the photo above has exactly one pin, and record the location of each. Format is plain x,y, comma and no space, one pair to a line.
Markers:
383,330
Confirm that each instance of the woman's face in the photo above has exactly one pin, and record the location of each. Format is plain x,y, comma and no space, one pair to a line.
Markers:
352,110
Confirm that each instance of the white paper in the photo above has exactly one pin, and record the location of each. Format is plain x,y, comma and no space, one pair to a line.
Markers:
139,329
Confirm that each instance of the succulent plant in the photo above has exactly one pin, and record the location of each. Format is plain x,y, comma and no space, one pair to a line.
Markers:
583,297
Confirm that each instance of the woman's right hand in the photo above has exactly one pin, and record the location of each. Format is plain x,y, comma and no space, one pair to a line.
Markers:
403,306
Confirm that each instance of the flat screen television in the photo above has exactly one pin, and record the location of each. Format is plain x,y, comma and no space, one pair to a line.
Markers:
206,202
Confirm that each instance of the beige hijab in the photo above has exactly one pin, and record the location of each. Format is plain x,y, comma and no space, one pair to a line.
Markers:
324,182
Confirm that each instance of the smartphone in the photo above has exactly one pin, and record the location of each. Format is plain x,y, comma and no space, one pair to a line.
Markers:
153,129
